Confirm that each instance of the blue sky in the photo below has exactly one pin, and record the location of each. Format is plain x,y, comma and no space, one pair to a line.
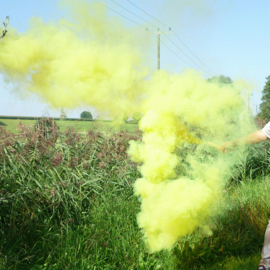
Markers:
229,37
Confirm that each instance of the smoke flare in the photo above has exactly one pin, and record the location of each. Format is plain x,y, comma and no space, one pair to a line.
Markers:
82,61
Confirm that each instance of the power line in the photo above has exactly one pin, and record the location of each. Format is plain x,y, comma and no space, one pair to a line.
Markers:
187,55
174,34
165,35
132,13
147,13
193,53
176,54
120,14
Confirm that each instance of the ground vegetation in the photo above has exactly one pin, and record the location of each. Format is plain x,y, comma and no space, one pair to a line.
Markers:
67,202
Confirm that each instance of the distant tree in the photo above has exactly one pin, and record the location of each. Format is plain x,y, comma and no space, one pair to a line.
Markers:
86,115
221,79
265,105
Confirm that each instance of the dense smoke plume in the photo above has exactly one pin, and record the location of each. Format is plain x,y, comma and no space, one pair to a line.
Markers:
81,61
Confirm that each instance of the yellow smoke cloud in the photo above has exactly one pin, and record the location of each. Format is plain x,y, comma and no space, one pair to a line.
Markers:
95,61
174,205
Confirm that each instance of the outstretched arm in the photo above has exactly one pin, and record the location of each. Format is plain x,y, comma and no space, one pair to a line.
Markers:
255,137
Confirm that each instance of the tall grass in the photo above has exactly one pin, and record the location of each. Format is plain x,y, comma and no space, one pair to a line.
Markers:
238,232
66,202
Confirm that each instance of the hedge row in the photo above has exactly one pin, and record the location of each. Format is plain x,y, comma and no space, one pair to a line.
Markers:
36,118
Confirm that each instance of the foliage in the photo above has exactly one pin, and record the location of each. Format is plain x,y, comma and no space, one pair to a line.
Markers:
260,123
66,202
44,126
265,105
86,114
136,118
253,162
52,194
220,79
81,125
238,232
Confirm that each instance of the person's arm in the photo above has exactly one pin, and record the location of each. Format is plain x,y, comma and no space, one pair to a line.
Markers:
255,137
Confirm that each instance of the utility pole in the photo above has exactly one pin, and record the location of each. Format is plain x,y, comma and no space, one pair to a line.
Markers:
158,50
158,44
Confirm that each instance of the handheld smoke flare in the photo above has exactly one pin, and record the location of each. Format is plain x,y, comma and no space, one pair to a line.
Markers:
80,61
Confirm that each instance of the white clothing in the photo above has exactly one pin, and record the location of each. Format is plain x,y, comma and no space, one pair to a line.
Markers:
266,130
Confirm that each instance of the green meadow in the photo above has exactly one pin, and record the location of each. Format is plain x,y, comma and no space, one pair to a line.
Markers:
67,202
80,126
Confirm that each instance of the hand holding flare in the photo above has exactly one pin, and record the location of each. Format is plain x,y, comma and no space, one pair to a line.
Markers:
214,145
253,138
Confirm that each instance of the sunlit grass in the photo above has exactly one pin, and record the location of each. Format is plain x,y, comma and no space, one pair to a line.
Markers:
69,204
80,126
236,263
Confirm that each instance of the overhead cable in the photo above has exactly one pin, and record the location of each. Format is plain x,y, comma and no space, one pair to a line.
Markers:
174,34
147,13
165,35
132,13
187,55
193,53
119,13
175,54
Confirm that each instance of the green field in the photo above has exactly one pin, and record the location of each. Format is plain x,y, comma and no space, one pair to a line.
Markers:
80,126
67,202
